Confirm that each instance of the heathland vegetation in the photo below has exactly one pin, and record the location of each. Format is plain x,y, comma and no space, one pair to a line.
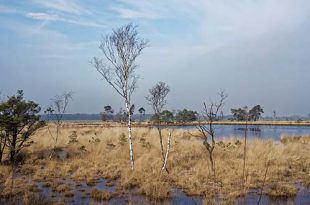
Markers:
54,162
87,153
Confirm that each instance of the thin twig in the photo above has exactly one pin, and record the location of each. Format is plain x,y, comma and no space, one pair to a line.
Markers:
264,181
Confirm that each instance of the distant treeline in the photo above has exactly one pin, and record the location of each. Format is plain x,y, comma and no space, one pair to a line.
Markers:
83,116
147,117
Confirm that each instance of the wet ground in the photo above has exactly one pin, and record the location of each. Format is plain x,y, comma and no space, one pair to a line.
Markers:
82,195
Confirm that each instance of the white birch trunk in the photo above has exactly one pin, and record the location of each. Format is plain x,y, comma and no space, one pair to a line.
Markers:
130,136
167,153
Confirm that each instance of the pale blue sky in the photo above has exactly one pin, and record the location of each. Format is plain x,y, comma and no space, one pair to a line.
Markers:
256,50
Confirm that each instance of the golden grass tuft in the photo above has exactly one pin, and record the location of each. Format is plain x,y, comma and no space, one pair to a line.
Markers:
157,189
101,195
282,190
62,188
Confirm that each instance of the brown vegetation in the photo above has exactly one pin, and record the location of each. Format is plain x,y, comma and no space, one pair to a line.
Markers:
282,190
101,195
63,188
189,167
295,139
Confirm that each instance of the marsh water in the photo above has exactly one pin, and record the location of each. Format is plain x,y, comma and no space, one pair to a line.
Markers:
257,131
178,197
252,197
82,190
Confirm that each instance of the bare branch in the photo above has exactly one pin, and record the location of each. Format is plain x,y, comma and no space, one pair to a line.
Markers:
57,110
157,96
157,100
121,49
210,114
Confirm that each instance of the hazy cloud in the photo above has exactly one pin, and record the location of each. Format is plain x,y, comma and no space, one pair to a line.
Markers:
44,16
55,17
256,50
127,13
71,6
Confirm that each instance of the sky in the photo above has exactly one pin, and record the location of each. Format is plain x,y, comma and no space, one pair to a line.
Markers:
255,50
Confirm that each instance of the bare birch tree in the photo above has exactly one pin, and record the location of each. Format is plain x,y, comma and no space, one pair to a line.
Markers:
121,49
157,100
56,112
210,114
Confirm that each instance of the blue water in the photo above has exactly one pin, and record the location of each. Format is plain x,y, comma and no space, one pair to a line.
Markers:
262,132
302,198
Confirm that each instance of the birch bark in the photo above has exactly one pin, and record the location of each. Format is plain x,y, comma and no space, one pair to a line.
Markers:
130,136
167,153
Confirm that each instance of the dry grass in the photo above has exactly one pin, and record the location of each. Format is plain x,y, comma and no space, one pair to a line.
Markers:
63,188
103,125
4,172
101,195
295,139
102,152
34,188
282,190
30,199
17,187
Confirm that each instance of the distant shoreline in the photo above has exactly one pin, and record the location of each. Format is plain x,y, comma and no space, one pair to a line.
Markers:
265,123
147,124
